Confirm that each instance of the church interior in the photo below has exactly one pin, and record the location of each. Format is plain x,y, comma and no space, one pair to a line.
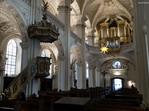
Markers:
74,55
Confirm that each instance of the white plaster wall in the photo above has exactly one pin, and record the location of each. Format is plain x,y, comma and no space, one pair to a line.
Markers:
131,72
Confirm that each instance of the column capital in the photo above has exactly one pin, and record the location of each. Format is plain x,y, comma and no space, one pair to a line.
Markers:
64,5
91,66
65,2
69,1
91,36
98,69
81,20
79,62
91,32
24,45
63,8
61,57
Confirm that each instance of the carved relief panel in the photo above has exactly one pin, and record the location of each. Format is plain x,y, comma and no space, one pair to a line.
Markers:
43,66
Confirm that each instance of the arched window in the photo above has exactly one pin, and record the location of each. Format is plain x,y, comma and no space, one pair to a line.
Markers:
10,67
116,64
43,54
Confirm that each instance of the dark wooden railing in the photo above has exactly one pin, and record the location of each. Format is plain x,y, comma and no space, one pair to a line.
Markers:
38,67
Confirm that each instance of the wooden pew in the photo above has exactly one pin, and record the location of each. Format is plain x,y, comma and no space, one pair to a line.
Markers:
126,102
112,106
106,109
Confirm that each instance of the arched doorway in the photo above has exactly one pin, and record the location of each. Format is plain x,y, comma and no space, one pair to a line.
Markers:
117,83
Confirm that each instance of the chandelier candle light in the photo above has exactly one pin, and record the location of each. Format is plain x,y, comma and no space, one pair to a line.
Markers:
104,49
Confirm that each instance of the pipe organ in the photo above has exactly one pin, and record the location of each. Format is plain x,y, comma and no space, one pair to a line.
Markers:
114,34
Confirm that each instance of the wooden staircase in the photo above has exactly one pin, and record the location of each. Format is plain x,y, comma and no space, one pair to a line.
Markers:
38,67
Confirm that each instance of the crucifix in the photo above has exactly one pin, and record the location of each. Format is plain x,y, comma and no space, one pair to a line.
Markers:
104,73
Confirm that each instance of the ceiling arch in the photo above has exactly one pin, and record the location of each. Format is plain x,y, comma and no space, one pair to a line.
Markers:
75,53
7,27
96,10
11,23
116,57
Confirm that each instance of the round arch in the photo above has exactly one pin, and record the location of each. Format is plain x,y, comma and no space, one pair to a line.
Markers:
75,53
74,14
101,18
14,37
60,49
117,57
50,49
18,53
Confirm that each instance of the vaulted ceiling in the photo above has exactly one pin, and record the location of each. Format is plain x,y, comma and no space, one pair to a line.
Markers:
97,10
8,23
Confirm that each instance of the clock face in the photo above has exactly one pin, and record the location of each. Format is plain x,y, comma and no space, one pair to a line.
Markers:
116,64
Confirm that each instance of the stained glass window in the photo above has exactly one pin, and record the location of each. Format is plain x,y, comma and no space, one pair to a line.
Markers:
116,64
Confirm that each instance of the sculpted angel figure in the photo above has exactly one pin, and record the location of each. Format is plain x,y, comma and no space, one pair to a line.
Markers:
45,8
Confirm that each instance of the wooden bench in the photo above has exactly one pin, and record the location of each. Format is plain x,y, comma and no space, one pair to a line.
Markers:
111,106
126,102
106,109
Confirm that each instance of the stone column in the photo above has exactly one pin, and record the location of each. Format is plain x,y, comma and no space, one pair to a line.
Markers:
92,82
142,48
102,80
108,81
64,9
36,11
55,78
97,76
146,31
90,37
61,73
64,15
24,62
80,75
90,40
24,45
30,50
80,31
71,75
